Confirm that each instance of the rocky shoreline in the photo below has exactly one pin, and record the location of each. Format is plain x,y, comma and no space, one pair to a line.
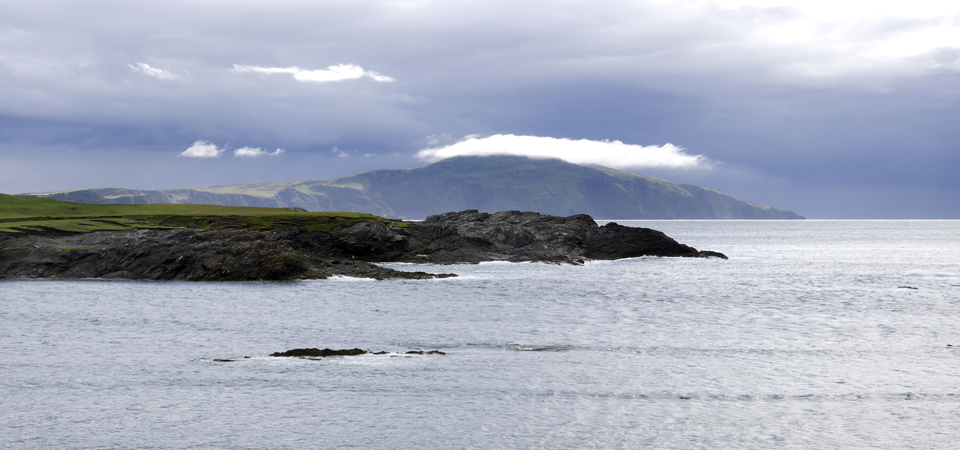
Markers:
295,253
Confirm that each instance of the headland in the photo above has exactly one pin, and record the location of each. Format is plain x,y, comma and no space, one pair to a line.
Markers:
200,243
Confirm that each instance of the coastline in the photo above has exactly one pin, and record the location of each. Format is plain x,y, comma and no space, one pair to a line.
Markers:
295,252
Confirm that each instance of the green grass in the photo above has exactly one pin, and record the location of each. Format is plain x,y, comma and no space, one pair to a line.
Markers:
30,214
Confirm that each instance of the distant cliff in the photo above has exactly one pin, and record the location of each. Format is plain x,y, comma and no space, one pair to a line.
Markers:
492,183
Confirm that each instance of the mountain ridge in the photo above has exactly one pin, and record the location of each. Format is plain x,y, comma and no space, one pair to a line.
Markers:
487,183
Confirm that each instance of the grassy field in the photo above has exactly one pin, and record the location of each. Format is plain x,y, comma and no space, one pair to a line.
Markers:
30,214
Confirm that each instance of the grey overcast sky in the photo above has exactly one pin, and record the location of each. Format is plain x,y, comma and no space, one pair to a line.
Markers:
833,109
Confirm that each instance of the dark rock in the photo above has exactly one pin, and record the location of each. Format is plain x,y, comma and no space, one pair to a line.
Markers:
613,241
472,236
317,353
709,254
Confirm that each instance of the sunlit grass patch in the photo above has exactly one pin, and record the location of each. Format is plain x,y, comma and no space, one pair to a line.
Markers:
27,214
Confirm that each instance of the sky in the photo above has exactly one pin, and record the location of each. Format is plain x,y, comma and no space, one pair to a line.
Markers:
832,109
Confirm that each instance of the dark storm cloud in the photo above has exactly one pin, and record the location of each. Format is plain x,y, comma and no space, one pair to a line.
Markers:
800,104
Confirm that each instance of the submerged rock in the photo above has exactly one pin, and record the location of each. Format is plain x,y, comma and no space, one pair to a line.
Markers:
318,353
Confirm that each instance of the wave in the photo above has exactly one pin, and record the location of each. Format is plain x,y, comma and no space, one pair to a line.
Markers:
930,273
526,347
758,397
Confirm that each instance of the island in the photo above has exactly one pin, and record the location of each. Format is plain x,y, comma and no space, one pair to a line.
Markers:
487,183
44,238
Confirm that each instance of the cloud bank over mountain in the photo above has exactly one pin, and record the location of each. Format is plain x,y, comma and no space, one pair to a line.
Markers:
614,154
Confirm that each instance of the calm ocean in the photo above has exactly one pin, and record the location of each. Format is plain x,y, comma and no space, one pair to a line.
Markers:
814,334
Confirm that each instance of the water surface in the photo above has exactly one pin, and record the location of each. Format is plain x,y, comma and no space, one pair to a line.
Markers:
826,334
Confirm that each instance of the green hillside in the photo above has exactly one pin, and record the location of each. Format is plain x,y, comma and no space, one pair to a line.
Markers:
28,214
493,183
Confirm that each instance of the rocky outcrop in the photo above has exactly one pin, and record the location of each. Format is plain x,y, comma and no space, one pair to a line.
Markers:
292,253
181,255
472,236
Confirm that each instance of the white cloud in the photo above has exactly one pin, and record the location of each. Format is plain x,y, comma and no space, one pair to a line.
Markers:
146,69
606,153
378,77
248,152
202,149
339,72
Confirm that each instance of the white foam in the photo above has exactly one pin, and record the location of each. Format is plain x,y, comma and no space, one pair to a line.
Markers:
346,278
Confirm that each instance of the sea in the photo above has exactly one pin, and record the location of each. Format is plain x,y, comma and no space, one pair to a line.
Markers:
813,334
